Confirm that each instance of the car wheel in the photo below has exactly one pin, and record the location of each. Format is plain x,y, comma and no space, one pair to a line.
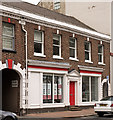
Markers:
8,118
100,114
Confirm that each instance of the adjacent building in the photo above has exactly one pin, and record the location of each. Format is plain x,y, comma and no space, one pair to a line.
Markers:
95,14
50,61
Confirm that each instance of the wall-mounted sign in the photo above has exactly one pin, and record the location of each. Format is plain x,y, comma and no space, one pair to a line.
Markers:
14,83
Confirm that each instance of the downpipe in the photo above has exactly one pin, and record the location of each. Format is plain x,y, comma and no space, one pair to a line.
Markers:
26,65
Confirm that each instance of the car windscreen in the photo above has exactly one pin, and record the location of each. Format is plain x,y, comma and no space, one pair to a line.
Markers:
109,98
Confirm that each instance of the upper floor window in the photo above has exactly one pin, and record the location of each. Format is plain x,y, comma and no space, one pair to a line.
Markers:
8,36
56,45
87,51
38,42
100,53
73,48
56,4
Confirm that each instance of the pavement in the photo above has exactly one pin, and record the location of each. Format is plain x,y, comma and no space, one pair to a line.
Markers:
62,114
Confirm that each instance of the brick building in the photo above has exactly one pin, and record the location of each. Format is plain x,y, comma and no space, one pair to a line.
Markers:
50,60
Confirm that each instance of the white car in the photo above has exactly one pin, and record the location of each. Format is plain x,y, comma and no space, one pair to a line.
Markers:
104,106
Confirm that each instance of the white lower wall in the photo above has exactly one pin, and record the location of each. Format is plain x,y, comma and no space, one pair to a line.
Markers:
34,90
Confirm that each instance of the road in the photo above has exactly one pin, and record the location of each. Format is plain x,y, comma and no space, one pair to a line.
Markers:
108,117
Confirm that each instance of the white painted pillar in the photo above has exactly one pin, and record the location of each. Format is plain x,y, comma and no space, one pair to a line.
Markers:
65,92
41,90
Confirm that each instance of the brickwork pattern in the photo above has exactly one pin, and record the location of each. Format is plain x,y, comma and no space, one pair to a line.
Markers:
19,55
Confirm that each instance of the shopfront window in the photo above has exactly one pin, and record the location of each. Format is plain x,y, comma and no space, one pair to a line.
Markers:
58,89
89,89
85,89
94,88
52,88
47,88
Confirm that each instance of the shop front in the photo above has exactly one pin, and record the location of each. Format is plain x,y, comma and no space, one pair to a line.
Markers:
48,86
90,88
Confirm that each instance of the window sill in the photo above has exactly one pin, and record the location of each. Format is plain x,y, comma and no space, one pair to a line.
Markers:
99,63
39,55
9,51
87,61
75,59
57,57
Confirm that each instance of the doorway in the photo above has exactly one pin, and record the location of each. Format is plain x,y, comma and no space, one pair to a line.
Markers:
105,89
72,93
10,90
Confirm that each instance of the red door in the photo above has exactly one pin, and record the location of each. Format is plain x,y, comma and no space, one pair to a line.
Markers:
72,93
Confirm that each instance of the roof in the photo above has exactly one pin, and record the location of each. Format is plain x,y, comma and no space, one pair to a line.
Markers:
35,9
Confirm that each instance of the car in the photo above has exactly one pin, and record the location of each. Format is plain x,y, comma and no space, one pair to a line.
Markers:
5,115
104,106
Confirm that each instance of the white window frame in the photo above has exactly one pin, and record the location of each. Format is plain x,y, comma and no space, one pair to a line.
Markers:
102,54
13,37
40,54
56,4
58,56
75,48
53,79
90,88
89,51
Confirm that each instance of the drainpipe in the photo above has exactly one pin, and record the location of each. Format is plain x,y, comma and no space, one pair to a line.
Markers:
111,50
23,28
22,22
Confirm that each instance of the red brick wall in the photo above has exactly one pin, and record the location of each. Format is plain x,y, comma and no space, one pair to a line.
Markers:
19,56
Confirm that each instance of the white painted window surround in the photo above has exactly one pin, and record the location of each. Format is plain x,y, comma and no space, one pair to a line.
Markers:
57,46
99,90
73,49
39,43
101,54
8,36
89,88
87,50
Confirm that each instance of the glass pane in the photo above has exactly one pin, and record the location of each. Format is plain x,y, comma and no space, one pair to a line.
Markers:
55,50
7,42
72,53
94,88
86,55
72,43
85,89
47,88
37,47
8,29
58,89
37,36
86,46
100,58
56,42
100,49
56,37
